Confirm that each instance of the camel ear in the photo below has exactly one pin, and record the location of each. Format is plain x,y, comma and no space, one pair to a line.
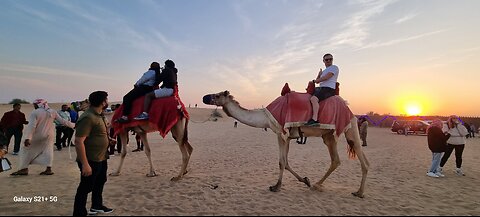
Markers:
226,93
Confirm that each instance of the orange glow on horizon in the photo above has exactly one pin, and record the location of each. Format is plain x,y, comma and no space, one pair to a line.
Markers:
413,104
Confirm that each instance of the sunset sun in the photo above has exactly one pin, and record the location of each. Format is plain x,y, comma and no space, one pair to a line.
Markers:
413,104
413,109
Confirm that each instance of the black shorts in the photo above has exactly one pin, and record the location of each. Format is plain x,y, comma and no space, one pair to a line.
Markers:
323,92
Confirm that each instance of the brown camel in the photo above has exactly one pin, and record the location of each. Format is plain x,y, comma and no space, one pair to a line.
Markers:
179,132
260,119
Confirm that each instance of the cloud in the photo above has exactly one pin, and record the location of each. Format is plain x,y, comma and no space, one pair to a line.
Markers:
400,40
405,18
35,13
356,28
297,40
26,87
469,50
242,16
49,71
11,81
88,22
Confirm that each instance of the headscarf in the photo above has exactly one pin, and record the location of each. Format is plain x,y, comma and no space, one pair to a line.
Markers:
42,103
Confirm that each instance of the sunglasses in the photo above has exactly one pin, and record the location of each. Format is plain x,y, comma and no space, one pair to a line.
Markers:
328,59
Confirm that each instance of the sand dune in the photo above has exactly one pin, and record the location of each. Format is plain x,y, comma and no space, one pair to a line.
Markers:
231,169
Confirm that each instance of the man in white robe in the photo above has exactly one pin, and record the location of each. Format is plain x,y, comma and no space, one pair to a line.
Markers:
39,138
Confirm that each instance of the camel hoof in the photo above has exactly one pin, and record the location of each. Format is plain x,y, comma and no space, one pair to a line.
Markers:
114,174
151,174
274,188
307,182
356,194
317,188
176,178
186,171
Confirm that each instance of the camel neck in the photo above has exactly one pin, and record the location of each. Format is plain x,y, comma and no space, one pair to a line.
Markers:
253,118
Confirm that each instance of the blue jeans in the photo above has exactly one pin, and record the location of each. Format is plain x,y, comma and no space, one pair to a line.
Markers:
436,158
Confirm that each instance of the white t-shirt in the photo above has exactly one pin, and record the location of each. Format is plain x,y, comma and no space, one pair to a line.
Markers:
333,80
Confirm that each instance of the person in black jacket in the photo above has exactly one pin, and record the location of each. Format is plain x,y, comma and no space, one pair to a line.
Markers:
169,79
437,143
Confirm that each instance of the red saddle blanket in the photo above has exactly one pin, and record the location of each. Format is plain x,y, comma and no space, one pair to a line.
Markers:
163,114
294,110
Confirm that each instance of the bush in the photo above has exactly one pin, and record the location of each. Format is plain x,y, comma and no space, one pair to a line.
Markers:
19,101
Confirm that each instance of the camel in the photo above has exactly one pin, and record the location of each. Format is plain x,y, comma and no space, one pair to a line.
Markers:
260,119
179,132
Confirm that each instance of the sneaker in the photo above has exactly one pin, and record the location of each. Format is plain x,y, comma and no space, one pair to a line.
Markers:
431,174
91,213
103,209
123,119
439,174
15,153
440,170
312,122
459,172
141,117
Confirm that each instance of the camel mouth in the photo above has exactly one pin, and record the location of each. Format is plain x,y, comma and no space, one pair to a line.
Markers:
208,99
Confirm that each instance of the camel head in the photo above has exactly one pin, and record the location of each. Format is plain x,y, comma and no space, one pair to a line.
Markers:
218,99
80,105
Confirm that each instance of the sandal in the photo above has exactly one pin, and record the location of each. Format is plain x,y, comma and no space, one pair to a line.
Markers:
18,173
47,173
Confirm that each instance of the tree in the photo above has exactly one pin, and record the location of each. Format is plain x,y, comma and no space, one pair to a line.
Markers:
20,101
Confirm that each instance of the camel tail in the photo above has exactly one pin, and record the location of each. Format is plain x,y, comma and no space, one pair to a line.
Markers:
350,150
185,137
352,135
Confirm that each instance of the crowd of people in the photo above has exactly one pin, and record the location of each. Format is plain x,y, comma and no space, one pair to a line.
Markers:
92,141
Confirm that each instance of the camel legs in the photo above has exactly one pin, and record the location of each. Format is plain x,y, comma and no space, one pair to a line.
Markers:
353,136
331,143
179,132
282,163
284,147
123,138
287,166
143,137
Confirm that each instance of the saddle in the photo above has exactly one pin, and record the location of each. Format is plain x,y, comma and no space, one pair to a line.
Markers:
163,114
293,109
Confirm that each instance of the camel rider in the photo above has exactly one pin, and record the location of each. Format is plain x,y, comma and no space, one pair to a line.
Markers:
327,80
169,79
143,86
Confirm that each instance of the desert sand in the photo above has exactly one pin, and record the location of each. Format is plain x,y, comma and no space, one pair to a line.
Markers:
231,169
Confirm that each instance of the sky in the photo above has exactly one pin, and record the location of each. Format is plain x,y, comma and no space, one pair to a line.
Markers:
395,57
